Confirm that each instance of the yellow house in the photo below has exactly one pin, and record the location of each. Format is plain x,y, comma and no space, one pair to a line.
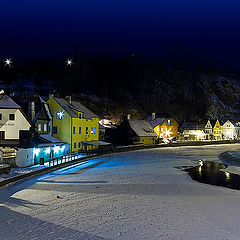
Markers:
140,131
217,131
165,127
73,123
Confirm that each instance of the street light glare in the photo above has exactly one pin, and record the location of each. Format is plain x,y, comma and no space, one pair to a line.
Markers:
8,61
69,62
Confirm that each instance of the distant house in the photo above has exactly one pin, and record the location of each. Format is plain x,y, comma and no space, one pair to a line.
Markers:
138,131
230,130
73,123
37,110
16,129
208,129
193,131
217,130
165,127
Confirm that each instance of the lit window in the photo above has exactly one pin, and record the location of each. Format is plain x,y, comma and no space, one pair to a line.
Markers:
95,131
45,127
74,130
91,130
39,127
12,117
169,122
75,145
161,129
86,130
80,130
158,129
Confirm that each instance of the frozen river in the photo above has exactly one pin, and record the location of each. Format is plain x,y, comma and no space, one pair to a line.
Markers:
134,195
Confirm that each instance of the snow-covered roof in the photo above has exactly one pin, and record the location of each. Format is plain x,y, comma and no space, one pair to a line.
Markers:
142,128
50,138
156,122
7,102
68,107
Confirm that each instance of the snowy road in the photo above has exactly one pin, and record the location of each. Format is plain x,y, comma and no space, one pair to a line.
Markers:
134,195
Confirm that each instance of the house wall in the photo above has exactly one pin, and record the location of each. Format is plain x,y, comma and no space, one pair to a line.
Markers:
12,127
165,130
148,140
217,131
84,136
63,125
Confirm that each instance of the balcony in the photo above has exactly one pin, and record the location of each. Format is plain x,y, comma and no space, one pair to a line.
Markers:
9,142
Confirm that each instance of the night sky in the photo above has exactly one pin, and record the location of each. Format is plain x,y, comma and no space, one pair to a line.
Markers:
199,30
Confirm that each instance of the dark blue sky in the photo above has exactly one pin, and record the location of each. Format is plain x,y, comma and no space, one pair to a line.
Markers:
204,30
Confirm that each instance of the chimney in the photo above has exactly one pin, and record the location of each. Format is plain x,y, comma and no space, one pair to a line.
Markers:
153,116
129,116
69,98
50,95
31,110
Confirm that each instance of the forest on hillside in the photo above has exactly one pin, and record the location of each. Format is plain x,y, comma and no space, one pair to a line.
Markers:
130,85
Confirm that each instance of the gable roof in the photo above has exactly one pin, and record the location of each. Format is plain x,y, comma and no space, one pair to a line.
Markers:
68,107
142,128
156,121
7,102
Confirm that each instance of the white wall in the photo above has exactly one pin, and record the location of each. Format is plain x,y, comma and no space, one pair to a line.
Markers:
24,157
10,127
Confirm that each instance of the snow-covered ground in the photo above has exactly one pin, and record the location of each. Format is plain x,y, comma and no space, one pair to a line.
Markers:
133,195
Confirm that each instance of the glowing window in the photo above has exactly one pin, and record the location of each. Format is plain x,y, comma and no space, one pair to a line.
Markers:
91,130
45,127
95,130
39,127
169,122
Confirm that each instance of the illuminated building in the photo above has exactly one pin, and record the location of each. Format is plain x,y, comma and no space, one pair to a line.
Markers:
73,123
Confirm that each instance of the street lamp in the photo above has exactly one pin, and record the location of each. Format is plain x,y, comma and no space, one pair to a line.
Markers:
69,62
8,62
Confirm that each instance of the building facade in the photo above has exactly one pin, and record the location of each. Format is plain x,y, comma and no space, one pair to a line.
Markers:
230,130
165,128
73,123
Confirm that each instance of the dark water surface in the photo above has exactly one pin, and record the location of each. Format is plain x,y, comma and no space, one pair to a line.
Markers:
209,172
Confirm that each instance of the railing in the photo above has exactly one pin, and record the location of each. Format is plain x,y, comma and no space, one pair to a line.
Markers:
9,142
63,159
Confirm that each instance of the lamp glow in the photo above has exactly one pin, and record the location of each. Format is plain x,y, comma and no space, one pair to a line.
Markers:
69,62
8,62
36,151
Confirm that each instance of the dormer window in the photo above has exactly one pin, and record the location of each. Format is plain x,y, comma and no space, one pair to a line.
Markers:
11,116
80,115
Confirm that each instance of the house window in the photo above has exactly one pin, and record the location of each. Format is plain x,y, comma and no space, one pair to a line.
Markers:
79,145
54,130
86,130
80,115
95,131
45,127
80,130
39,127
161,129
2,135
74,130
91,130
168,122
0,116
12,117
75,145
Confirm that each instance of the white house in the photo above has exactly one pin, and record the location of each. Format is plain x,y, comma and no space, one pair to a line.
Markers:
13,122
230,130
